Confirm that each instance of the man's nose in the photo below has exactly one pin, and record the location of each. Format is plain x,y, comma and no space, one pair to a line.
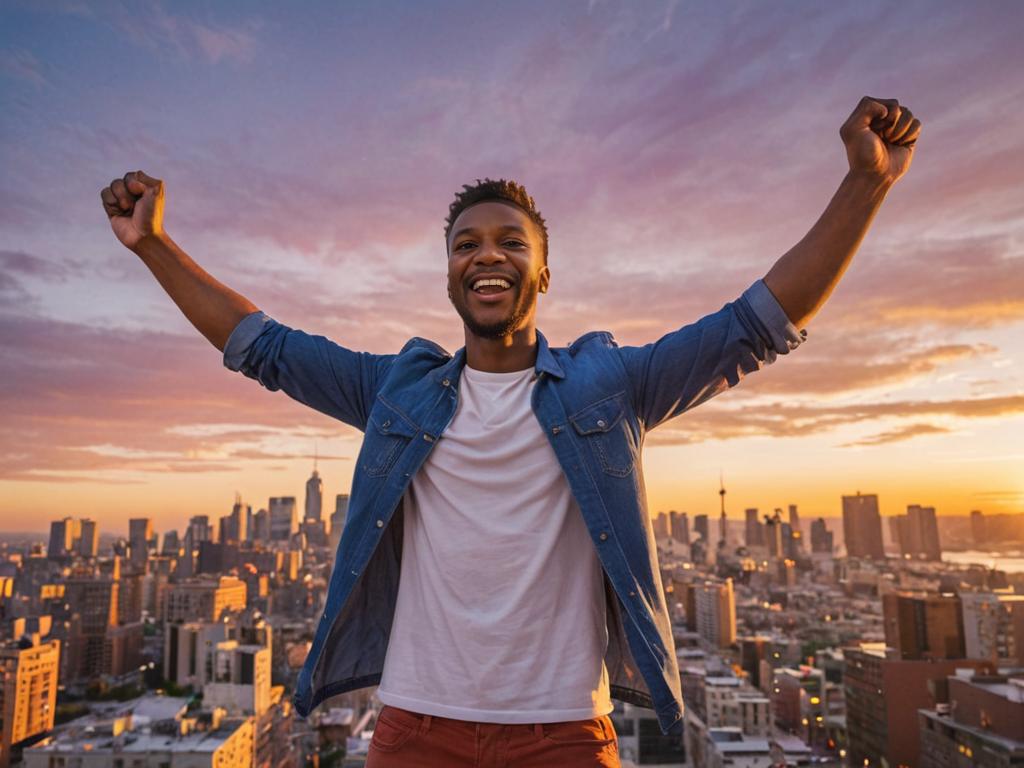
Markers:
490,254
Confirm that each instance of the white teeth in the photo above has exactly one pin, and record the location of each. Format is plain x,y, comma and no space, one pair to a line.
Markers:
497,281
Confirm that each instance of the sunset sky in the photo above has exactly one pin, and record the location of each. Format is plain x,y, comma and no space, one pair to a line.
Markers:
676,149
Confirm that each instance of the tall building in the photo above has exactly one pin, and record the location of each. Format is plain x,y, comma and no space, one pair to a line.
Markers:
172,544
28,691
679,527
924,626
796,534
883,695
701,527
862,526
89,543
241,678
64,534
93,603
200,528
205,599
284,519
773,538
821,537
916,534
994,626
140,531
754,533
234,528
261,526
314,496
715,605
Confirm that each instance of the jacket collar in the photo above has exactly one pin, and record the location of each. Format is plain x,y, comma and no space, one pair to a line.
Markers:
546,363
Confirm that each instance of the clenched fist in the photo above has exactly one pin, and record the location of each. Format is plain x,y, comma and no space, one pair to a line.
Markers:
135,207
880,136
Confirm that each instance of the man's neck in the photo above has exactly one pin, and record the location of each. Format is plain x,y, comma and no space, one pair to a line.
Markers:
515,352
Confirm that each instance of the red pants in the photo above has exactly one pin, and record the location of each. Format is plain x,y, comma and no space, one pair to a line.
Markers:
404,739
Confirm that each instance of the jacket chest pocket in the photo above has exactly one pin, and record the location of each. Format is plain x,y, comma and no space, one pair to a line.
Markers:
603,427
388,434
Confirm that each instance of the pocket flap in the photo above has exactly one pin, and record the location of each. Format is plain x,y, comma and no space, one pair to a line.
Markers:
599,417
390,421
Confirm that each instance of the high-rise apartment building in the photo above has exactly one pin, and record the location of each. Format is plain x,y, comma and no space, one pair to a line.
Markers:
89,542
205,599
821,537
994,626
924,626
862,526
753,530
64,535
883,695
916,534
284,519
679,526
28,691
715,605
701,527
140,531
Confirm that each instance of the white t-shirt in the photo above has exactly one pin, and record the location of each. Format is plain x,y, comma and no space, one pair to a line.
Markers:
500,615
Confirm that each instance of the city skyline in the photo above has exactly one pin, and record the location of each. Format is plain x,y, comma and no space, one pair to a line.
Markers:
655,145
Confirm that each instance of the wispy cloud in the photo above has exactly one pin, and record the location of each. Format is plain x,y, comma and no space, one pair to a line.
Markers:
896,435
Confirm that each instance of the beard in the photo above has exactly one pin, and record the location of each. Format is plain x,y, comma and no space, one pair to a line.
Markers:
506,326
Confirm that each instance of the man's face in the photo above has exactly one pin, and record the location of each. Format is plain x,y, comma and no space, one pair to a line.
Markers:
495,269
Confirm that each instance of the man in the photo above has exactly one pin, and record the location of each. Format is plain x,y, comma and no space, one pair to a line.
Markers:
497,576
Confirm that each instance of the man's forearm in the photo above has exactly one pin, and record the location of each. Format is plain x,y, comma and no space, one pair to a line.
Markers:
803,278
213,308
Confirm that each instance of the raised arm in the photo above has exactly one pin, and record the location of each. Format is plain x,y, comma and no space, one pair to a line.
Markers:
311,369
135,207
879,136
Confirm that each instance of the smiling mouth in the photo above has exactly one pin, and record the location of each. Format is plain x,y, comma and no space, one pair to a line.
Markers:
490,286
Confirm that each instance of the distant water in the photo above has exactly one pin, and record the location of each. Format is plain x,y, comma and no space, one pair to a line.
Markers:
1011,563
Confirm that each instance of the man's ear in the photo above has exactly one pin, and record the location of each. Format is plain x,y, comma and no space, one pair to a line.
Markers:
544,280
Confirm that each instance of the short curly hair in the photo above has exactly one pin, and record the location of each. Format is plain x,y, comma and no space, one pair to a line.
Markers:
505,190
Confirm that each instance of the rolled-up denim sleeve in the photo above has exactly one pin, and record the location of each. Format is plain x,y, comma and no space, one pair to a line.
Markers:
688,366
311,369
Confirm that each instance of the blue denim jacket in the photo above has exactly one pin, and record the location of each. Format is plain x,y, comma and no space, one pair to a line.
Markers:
595,402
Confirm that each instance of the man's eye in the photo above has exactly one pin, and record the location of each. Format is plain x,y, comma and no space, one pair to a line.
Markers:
460,246
514,242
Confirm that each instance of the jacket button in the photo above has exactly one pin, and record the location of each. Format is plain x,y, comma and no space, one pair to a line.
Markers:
555,430
445,382
632,594
387,423
380,523
603,536
600,423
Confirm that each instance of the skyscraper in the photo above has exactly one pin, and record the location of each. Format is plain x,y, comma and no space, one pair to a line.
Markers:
716,613
89,543
28,690
284,519
862,526
140,531
924,626
64,535
314,496
916,533
821,537
701,527
754,534
679,527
